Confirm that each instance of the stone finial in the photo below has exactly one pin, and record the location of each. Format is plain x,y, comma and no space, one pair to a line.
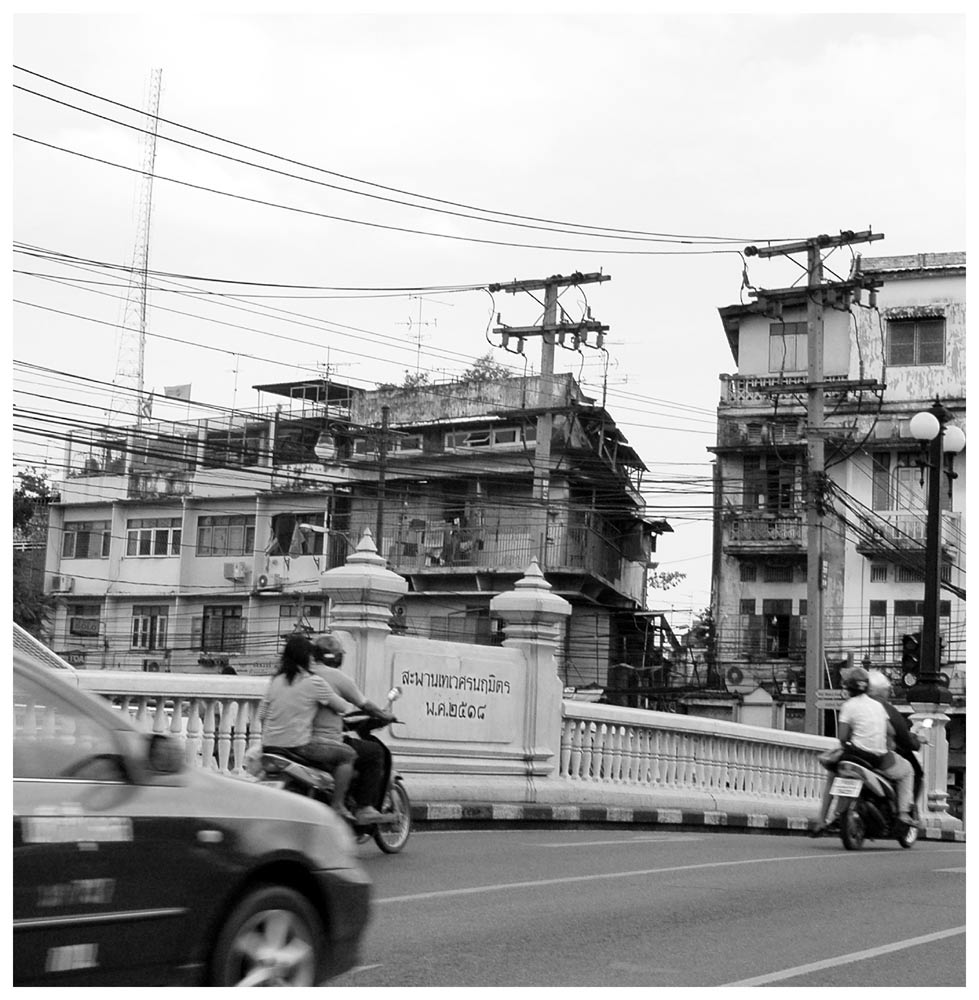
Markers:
531,600
363,586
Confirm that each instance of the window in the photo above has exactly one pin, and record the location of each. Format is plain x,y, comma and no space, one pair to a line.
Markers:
84,620
747,606
778,573
222,628
309,614
916,341
881,477
769,484
749,572
289,538
228,535
487,437
778,618
149,626
788,347
878,573
55,739
86,540
878,628
153,536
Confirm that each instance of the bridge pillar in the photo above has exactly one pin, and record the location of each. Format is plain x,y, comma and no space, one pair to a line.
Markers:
531,616
361,593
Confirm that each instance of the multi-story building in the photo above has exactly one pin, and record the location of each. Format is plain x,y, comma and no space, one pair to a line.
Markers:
906,349
187,545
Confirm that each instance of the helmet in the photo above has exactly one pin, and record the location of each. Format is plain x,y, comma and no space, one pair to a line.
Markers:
328,650
856,680
879,683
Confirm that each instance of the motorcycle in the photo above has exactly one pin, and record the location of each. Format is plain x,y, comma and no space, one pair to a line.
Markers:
392,830
864,803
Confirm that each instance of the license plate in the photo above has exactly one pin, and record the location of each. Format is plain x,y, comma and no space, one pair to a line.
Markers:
846,788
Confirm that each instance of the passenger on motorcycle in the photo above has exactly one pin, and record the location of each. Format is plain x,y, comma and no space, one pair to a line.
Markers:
862,729
900,737
287,711
369,768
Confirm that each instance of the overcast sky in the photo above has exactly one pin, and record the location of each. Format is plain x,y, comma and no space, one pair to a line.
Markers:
737,128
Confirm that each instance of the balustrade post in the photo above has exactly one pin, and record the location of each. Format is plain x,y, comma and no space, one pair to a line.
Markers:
531,616
361,593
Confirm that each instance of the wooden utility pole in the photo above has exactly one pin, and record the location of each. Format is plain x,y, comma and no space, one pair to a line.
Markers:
382,458
551,333
816,565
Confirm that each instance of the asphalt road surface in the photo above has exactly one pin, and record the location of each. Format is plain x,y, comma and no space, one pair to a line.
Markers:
625,907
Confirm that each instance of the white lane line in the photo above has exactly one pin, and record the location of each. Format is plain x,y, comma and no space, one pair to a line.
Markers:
957,871
363,968
620,841
832,963
571,879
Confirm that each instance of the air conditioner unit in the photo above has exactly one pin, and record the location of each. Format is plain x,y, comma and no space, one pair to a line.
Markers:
229,571
62,584
241,570
270,581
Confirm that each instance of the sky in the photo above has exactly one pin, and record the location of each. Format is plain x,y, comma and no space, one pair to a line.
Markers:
575,131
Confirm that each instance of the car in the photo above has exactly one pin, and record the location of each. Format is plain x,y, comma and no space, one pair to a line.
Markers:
133,869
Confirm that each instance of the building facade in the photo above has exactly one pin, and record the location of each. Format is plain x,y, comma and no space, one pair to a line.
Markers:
197,545
893,354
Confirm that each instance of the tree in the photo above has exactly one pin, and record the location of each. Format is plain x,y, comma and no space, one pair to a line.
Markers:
666,580
32,608
485,369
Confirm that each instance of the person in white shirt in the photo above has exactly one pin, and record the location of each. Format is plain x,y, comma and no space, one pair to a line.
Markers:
862,729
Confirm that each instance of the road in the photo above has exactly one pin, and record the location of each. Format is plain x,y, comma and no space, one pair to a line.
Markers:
625,907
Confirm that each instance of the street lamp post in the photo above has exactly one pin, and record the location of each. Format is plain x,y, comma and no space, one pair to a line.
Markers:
939,436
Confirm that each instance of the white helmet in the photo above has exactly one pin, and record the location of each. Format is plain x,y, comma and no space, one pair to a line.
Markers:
879,683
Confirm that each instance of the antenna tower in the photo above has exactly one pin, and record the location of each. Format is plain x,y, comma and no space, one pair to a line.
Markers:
129,397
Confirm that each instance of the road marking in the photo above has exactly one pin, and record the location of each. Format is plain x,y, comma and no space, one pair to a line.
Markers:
571,879
830,963
621,840
363,968
957,871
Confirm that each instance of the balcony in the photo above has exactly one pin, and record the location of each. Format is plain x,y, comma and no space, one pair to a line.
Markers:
447,549
757,390
904,532
757,533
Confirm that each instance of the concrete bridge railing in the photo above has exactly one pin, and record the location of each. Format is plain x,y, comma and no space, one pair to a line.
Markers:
489,724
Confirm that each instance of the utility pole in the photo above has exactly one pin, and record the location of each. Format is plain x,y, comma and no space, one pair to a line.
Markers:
382,457
552,333
817,570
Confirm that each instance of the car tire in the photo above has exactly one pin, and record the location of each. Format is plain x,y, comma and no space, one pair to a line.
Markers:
272,937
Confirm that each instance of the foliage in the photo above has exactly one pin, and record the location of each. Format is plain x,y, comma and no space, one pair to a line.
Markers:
485,369
666,580
32,608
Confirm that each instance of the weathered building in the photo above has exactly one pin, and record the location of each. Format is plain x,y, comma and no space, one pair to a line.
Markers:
195,543
910,342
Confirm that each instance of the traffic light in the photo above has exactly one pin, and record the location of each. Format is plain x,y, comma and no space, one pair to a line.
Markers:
910,658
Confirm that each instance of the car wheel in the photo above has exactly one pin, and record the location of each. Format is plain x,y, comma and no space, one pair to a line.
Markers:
273,937
391,839
852,830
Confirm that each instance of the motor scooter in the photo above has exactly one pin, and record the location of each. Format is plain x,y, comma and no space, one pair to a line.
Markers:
287,771
864,804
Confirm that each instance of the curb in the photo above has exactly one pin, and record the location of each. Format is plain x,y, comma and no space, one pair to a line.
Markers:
464,813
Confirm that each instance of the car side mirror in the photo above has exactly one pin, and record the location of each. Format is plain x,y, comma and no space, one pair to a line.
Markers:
165,755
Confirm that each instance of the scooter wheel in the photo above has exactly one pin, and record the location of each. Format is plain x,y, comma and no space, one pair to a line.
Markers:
852,829
392,838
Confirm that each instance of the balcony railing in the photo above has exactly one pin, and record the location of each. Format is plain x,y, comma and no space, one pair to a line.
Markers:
756,390
763,532
507,548
906,531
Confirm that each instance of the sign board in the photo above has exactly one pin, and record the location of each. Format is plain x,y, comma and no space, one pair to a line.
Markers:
479,701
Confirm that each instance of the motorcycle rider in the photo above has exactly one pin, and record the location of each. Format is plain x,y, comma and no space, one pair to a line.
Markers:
862,730
327,656
287,711
901,739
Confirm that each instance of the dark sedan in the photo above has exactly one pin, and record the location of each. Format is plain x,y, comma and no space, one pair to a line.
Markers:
131,868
